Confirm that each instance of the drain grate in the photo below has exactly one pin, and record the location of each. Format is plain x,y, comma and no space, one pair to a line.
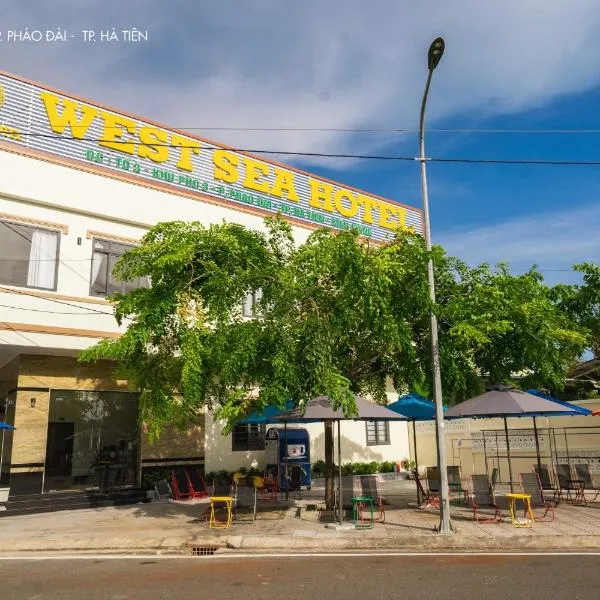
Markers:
203,550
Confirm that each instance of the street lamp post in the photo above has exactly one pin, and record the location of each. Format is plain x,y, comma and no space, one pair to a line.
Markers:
433,58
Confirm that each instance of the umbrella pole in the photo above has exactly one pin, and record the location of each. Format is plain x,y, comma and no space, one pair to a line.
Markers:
498,458
485,457
555,449
567,446
416,460
508,455
339,436
287,481
537,447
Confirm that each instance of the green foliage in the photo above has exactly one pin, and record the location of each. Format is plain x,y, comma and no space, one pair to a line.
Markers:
581,302
509,325
227,476
337,317
318,468
357,468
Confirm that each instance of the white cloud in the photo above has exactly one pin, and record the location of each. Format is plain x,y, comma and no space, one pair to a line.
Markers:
334,64
555,241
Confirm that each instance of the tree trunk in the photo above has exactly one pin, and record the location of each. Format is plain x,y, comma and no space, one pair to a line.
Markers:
329,466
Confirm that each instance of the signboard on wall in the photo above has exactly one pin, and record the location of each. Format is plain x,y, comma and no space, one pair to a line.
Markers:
520,441
39,119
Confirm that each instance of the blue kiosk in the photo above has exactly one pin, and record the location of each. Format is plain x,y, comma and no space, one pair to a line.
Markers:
288,450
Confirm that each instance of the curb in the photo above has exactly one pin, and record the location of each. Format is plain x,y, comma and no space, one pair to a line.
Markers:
333,543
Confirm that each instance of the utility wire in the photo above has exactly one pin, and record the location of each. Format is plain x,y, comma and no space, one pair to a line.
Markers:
372,130
24,293
62,260
337,155
50,312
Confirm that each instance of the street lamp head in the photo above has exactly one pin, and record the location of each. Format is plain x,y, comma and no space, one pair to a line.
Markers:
436,50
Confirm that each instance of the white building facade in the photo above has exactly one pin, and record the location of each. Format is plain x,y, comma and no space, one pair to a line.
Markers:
81,184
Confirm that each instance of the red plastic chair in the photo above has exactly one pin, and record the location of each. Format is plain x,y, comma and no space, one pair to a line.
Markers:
196,484
182,489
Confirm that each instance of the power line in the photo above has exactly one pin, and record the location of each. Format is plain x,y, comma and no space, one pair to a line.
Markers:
23,293
371,130
50,312
46,260
384,157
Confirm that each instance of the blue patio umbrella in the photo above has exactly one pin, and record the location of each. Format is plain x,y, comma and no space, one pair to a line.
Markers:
416,408
268,415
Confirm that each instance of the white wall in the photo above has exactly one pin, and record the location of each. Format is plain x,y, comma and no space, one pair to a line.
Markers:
43,191
219,455
583,441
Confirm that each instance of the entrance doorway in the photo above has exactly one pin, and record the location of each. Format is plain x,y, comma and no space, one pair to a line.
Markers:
59,449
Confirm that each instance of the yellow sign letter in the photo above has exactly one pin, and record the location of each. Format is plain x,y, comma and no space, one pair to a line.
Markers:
68,117
225,166
187,146
346,211
114,128
150,136
320,195
284,182
254,170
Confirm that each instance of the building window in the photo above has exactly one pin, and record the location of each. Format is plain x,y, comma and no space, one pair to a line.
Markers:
30,256
104,258
250,308
92,440
248,437
378,433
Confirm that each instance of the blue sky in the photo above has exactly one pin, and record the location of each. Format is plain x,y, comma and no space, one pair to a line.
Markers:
345,64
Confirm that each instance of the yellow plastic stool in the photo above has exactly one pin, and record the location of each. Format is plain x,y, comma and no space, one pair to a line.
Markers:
213,522
526,499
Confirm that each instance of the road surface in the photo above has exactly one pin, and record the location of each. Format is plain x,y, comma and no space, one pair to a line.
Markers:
440,577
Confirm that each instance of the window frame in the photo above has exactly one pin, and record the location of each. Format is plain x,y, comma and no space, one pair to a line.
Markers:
248,446
256,297
378,440
58,233
109,274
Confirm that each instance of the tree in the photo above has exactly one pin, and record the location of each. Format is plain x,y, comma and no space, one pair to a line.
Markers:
511,325
581,302
338,316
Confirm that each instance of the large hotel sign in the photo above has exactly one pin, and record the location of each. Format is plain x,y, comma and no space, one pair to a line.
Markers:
58,125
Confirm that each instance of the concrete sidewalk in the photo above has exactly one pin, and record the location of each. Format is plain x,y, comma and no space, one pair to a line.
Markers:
292,526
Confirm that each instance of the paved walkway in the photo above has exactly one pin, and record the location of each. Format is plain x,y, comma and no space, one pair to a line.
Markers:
177,526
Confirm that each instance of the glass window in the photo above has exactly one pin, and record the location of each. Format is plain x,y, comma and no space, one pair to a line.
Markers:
92,440
378,433
248,437
29,256
250,308
104,258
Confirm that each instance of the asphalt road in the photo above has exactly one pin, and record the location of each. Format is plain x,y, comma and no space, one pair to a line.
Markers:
474,577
